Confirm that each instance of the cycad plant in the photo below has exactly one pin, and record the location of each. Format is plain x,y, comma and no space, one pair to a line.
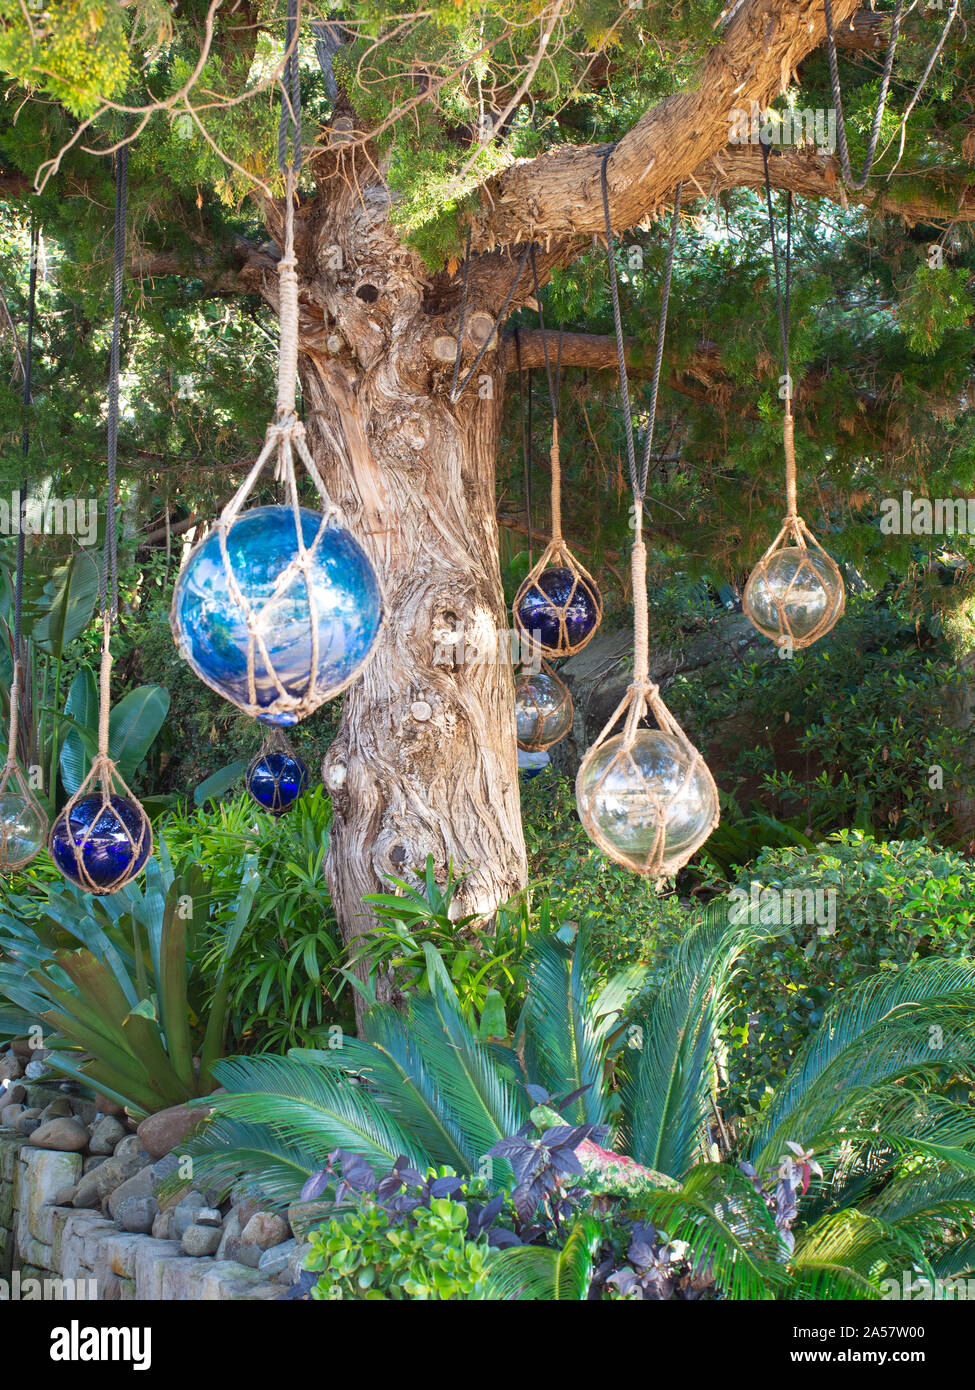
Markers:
865,1117
110,979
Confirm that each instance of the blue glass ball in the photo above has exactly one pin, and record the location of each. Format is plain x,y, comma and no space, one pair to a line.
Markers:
552,594
95,832
276,780
211,630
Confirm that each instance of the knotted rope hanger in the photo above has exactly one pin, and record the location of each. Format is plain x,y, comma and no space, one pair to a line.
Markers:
12,778
104,779
642,698
284,439
556,554
793,531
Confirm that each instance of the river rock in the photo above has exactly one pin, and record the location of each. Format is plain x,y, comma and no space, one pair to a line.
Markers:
10,1114
264,1229
201,1240
106,1134
111,1174
137,1214
63,1132
57,1110
36,1069
10,1067
161,1133
28,1120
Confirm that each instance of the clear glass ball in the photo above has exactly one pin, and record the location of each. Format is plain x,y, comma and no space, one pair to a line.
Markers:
276,780
211,629
558,595
543,710
101,845
627,796
23,830
795,593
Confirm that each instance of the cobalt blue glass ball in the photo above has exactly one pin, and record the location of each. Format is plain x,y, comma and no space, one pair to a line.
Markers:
552,595
95,833
276,780
211,628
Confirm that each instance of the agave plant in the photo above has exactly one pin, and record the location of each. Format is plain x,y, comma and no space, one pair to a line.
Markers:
866,1097
110,979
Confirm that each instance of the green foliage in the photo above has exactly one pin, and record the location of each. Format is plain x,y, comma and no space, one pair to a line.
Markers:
417,933
894,903
118,1009
75,50
936,302
363,1256
286,988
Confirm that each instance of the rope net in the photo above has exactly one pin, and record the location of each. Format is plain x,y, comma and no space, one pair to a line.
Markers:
543,709
276,777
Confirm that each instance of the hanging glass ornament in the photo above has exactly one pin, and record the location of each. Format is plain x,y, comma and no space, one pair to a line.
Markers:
277,776
102,838
543,709
795,594
23,821
645,796
279,608
559,606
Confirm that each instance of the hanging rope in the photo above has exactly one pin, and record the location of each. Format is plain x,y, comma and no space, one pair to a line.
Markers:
776,597
857,184
783,304
22,834
103,837
625,797
638,477
285,437
558,592
457,391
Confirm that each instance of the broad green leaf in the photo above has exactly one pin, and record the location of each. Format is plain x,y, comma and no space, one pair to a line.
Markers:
67,605
219,782
134,724
82,706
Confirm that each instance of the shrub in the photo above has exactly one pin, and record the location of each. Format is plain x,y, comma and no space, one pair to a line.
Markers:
894,903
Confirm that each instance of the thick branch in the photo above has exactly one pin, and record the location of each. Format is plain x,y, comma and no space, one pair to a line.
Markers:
813,175
558,194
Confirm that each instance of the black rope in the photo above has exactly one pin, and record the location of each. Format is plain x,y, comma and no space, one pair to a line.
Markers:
783,302
35,240
638,480
834,76
109,583
525,455
290,122
458,391
463,315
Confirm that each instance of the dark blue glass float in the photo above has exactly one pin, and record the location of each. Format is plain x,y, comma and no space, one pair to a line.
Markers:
211,629
93,831
558,594
276,780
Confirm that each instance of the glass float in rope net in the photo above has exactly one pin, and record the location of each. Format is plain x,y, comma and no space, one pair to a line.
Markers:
277,777
275,624
543,709
23,821
646,796
102,838
559,606
795,594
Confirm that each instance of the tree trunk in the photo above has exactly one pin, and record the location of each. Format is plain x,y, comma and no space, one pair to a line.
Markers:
425,761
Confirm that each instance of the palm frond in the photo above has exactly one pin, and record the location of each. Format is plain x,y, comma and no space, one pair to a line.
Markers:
538,1273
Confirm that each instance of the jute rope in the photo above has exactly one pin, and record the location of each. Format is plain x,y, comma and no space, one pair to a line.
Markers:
793,532
284,438
104,788
13,782
651,805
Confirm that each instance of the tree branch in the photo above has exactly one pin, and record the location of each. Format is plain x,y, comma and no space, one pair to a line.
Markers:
558,194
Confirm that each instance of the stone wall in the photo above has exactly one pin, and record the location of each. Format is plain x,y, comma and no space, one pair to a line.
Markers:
41,1239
